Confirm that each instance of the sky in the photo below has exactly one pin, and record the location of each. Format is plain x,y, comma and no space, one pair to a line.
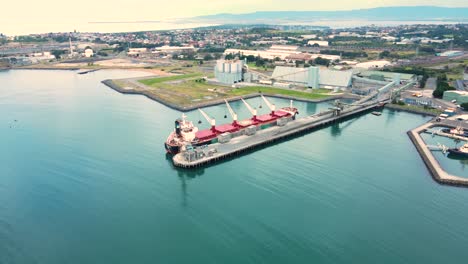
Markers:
33,16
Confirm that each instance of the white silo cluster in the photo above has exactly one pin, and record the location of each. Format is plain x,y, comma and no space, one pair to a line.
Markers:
229,71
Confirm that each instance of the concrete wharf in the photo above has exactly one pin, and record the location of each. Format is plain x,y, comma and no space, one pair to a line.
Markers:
237,145
437,172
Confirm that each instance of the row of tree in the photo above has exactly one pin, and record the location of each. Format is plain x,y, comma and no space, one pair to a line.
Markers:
442,86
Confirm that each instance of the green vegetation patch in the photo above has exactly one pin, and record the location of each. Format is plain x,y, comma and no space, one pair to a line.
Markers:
315,94
192,91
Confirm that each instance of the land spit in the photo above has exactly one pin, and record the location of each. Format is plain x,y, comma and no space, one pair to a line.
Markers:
111,84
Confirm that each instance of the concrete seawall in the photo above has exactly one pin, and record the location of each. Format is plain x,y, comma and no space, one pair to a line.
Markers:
151,96
414,111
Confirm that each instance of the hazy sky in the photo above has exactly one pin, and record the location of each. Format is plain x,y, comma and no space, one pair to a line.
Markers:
20,16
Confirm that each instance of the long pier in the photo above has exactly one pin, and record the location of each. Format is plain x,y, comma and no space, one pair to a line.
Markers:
237,145
437,172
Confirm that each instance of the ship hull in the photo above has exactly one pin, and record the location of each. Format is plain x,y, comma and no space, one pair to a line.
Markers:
457,152
171,149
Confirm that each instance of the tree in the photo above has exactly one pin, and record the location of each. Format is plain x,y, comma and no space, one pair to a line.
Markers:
57,53
384,54
464,106
442,86
260,63
208,57
229,56
322,61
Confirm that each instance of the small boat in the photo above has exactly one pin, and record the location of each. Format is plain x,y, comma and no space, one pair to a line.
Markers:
461,151
376,113
458,131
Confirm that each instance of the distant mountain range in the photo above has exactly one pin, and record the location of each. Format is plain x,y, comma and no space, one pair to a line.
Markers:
396,13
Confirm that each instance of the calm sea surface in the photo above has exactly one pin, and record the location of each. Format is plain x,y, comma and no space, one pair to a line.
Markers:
84,179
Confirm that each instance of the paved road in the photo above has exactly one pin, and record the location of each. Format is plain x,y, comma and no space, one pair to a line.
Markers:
431,83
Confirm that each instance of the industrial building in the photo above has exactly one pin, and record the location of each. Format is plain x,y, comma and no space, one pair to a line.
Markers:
422,101
458,97
229,71
450,53
384,76
314,77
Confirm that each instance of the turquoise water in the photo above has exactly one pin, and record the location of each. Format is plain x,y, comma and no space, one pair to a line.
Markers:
84,179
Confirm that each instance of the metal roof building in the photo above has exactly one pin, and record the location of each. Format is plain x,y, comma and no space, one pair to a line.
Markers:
314,77
384,76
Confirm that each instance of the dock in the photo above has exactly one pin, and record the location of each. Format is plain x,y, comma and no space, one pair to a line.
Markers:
437,172
219,151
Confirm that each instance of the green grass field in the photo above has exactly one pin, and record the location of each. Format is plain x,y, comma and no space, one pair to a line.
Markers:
188,91
315,94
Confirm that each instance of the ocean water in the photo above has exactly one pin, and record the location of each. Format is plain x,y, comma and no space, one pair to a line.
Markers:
84,179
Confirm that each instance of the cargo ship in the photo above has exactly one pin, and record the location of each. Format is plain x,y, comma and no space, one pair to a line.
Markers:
186,133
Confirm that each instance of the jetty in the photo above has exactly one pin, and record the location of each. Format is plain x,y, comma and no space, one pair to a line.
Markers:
88,71
436,170
207,154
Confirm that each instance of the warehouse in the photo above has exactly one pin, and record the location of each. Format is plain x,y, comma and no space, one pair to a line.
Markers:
314,77
384,76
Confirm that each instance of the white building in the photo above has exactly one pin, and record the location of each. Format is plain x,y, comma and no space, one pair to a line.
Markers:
377,64
321,43
88,53
312,36
173,49
41,56
136,51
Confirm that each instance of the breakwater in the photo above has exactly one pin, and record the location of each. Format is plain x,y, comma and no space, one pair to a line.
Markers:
410,110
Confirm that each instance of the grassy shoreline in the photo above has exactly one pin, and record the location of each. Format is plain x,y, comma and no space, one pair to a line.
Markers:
246,92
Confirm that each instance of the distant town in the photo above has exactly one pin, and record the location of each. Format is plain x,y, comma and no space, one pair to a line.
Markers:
435,56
